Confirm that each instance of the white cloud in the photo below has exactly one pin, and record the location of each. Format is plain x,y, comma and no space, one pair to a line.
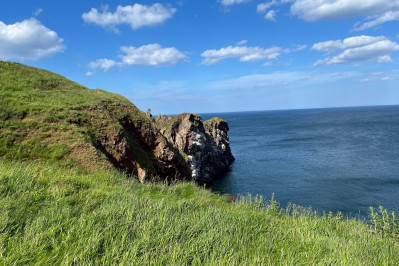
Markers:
241,42
247,54
38,12
146,55
263,7
375,12
244,54
151,55
311,10
136,16
104,64
358,48
333,46
232,2
28,39
301,47
386,17
271,15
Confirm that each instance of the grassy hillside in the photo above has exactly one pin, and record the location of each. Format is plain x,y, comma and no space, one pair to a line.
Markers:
56,217
36,109
46,117
63,202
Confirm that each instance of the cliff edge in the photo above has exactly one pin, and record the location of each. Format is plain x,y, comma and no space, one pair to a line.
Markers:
46,117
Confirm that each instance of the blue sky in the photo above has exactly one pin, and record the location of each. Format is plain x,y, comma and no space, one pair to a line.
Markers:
214,55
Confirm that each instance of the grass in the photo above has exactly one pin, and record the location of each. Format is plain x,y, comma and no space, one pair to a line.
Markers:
46,117
61,202
52,216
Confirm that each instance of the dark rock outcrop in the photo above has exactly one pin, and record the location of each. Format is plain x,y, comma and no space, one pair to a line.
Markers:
131,142
205,144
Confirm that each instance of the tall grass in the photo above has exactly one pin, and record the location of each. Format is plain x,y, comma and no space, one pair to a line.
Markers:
52,216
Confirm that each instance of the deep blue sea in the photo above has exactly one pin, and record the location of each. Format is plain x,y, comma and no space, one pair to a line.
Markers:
337,159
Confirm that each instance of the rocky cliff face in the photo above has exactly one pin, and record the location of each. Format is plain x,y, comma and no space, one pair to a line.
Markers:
181,147
48,118
205,144
133,143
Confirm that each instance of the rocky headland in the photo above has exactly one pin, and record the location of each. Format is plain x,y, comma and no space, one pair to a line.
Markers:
204,144
46,117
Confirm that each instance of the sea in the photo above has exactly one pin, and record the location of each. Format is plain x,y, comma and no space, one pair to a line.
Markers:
336,159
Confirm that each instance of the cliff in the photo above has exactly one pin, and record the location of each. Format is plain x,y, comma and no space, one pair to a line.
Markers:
46,117
205,144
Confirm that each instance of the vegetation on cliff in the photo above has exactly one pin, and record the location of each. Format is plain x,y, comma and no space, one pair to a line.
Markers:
44,116
63,202
47,117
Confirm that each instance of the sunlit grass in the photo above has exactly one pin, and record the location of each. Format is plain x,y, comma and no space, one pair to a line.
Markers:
52,216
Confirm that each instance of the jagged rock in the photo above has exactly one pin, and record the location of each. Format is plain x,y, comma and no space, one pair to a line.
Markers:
131,142
217,128
104,130
207,148
148,113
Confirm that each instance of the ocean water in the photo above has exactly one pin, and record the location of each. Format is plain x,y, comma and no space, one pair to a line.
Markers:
338,159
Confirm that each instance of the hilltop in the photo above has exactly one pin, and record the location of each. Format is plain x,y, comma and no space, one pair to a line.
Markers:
49,118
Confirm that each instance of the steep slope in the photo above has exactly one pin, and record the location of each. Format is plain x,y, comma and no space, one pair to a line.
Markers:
44,116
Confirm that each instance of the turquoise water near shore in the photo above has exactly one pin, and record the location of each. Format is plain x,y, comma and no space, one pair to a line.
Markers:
336,159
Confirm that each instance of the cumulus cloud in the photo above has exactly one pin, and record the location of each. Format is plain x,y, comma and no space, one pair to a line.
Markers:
136,16
232,2
104,64
28,40
311,10
333,46
244,53
271,15
262,8
377,20
359,48
151,55
146,55
373,12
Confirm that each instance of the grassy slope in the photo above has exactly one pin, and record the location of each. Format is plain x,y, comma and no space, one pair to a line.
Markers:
46,117
36,110
52,217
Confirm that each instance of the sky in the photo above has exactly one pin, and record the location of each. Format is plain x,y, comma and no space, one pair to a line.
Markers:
205,56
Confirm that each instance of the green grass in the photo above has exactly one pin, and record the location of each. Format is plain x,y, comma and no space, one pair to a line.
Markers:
51,216
43,115
55,209
48,118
